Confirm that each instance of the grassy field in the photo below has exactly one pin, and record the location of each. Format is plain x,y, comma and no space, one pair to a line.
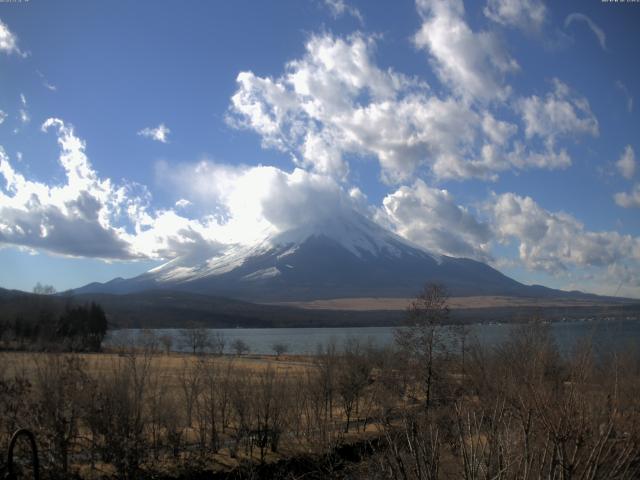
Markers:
393,304
171,365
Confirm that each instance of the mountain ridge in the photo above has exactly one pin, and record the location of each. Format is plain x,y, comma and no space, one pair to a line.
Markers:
338,258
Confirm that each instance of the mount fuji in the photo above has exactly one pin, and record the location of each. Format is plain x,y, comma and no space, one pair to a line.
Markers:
341,257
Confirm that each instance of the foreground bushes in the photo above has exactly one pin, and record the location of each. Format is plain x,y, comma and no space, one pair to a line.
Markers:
524,411
518,411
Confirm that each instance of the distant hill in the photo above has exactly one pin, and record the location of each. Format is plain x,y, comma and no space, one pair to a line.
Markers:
168,309
175,309
15,303
161,308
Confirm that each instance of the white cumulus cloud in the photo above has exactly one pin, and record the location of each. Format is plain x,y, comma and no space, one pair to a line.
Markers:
472,64
159,133
523,14
627,95
431,218
339,8
335,102
9,41
88,216
71,219
24,110
561,113
627,163
45,82
556,241
630,199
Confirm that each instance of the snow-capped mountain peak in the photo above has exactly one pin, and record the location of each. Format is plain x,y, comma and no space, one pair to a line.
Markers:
341,256
356,234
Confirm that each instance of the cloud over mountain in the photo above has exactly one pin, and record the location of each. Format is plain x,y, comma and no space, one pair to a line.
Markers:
89,216
431,218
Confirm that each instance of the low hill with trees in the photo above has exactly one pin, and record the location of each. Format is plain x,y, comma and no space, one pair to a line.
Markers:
43,321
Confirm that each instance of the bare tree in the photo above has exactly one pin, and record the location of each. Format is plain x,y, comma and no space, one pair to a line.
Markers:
269,406
190,384
461,332
167,342
352,378
218,342
280,348
412,449
156,408
419,337
196,339
59,379
16,412
209,402
41,289
241,406
327,362
240,346
148,340
224,395
117,413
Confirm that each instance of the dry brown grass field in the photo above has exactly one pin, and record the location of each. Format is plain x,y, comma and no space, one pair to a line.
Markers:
170,365
383,303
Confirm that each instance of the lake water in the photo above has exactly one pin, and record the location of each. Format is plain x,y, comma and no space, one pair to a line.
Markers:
606,335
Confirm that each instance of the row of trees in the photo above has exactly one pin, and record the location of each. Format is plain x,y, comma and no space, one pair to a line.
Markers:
202,340
76,328
195,340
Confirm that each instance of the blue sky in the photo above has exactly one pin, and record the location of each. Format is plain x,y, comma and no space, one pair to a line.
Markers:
502,130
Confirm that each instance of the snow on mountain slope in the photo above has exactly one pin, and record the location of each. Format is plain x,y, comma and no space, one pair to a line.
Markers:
358,235
343,256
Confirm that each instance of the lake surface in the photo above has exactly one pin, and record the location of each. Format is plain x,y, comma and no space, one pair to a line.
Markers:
606,335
